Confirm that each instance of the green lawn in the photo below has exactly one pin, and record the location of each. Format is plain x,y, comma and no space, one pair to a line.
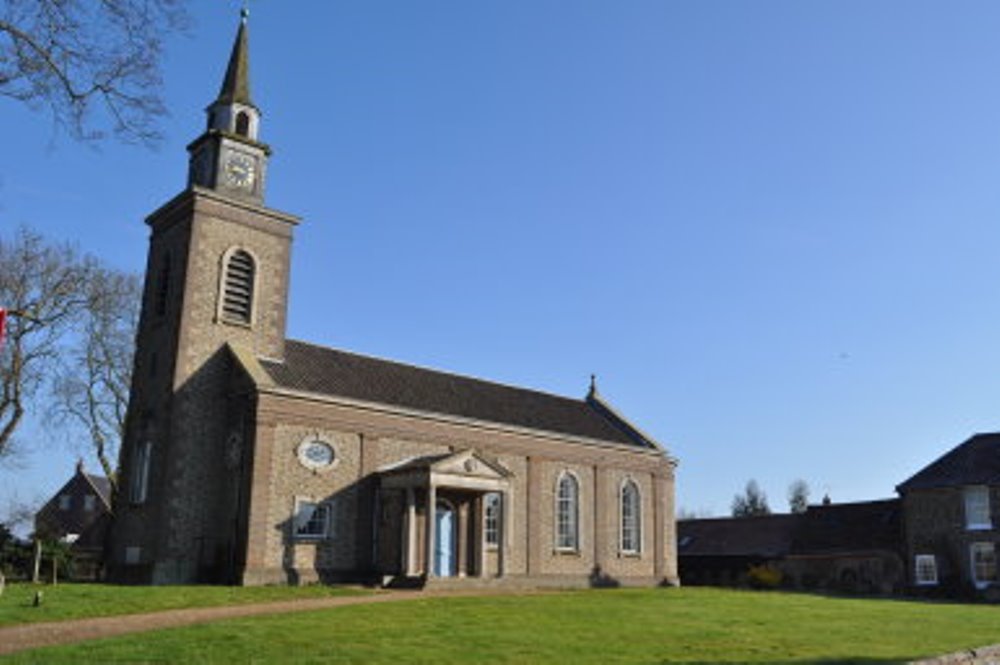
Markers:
75,601
649,625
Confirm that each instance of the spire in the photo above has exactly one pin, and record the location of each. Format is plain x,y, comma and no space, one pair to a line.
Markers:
236,85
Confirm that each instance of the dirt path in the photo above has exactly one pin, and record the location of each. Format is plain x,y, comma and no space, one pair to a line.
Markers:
34,635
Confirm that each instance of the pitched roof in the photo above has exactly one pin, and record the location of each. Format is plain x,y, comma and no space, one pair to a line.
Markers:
975,462
326,371
102,485
766,536
848,527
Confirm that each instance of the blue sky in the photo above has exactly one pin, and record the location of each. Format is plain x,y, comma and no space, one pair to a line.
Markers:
770,228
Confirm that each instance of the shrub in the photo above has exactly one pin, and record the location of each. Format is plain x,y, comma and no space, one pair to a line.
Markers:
764,576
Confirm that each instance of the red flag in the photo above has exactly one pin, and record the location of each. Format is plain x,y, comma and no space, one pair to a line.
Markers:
3,320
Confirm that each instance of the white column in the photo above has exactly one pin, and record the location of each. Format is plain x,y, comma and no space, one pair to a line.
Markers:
410,535
429,533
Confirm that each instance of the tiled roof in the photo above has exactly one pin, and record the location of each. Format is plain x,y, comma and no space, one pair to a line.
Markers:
768,536
102,485
847,527
326,371
975,462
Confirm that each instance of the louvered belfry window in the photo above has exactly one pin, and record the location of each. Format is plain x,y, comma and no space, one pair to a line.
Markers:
237,303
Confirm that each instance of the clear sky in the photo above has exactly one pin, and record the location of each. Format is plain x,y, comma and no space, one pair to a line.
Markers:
770,228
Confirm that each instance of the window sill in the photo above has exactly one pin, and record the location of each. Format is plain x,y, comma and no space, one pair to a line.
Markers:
978,527
934,583
565,552
629,555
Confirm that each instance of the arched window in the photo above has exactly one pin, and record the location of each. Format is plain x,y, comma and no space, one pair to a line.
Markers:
567,513
237,288
491,519
139,485
631,518
243,123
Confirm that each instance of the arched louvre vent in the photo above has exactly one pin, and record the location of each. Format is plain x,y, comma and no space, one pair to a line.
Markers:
237,303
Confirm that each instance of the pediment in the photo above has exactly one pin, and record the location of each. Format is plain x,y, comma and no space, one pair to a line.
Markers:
470,463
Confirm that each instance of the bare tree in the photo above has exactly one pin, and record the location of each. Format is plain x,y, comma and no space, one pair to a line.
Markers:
91,389
40,283
752,502
798,496
95,64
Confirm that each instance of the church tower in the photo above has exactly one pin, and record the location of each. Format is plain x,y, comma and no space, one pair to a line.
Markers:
217,277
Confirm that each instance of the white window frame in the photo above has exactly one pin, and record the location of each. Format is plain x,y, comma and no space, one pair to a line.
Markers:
635,546
299,520
988,549
922,565
977,508
491,520
569,540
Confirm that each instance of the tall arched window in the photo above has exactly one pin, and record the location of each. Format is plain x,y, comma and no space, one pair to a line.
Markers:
163,286
243,123
237,288
631,518
567,513
139,482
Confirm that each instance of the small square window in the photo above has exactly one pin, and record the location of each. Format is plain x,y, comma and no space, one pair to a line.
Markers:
925,570
65,501
132,554
312,519
89,503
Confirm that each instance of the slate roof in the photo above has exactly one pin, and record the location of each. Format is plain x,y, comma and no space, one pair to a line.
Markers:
975,462
102,485
849,527
767,536
333,372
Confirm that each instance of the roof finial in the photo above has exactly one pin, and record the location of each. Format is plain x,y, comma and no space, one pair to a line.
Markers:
245,11
593,385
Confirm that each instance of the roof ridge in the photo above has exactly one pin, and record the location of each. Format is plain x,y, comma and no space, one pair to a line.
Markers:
433,370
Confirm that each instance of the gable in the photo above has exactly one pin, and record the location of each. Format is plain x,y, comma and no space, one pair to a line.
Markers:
974,462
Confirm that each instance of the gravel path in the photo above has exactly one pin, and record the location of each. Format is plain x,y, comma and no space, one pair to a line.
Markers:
34,635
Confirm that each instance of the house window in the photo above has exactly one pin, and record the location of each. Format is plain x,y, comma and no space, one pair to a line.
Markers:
65,501
133,554
312,519
139,484
89,503
238,287
977,508
925,570
567,513
491,519
984,563
631,522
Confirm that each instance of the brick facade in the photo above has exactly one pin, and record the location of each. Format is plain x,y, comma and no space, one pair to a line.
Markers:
213,463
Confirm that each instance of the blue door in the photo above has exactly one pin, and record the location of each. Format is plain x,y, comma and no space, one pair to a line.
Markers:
444,535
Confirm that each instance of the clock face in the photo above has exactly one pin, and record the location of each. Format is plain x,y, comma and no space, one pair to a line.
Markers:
239,170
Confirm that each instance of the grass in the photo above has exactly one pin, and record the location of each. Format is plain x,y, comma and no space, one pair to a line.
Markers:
692,626
78,601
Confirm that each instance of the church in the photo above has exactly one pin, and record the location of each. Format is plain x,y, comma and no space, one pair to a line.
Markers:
249,458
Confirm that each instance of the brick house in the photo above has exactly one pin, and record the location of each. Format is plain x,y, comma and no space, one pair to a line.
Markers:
79,514
951,509
249,458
